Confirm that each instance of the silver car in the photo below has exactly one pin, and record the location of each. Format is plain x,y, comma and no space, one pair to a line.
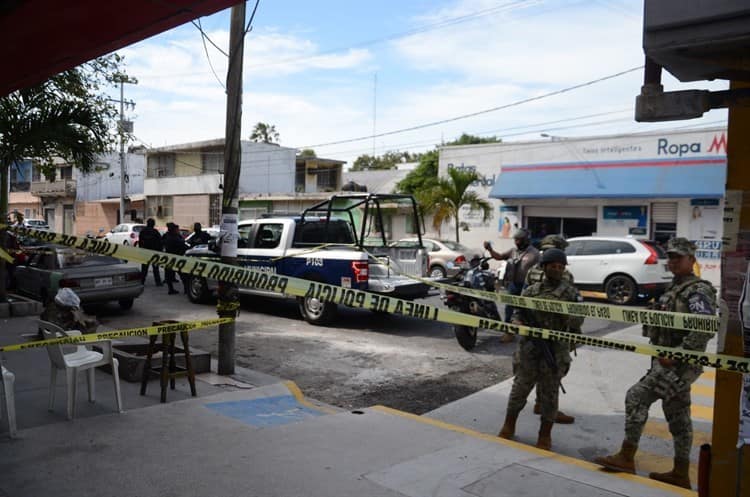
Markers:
441,252
94,278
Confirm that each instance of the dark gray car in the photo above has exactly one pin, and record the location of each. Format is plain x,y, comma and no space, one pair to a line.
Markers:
94,278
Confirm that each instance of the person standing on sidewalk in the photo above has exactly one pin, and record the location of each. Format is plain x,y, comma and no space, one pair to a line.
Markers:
519,259
150,238
173,244
536,275
538,362
669,379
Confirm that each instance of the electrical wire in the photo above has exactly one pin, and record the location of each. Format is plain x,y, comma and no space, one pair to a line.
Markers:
485,111
204,36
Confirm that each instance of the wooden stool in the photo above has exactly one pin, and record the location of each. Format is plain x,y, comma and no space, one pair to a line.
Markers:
168,370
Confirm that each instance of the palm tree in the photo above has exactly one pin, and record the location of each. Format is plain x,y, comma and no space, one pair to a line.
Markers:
266,133
446,199
58,118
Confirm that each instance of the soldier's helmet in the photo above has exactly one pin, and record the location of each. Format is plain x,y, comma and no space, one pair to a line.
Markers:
520,234
681,246
554,255
553,241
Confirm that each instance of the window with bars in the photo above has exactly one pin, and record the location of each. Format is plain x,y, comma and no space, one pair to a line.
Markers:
161,165
159,206
213,162
328,179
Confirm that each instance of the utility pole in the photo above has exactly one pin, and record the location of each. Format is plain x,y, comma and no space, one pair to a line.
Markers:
228,304
123,127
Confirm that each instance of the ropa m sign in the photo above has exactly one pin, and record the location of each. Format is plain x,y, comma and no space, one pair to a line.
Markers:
663,147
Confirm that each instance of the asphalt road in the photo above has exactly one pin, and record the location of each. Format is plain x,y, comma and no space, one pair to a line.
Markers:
364,359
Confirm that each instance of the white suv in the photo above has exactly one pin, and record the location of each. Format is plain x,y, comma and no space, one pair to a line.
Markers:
624,268
125,234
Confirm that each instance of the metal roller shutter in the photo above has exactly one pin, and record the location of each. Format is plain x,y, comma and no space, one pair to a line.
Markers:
664,212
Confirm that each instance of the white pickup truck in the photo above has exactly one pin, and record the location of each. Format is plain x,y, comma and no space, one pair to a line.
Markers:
317,248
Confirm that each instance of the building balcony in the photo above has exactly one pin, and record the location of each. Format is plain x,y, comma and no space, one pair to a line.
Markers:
59,188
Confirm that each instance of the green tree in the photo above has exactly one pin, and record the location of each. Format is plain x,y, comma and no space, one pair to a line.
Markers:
388,160
424,176
264,132
307,152
68,116
446,199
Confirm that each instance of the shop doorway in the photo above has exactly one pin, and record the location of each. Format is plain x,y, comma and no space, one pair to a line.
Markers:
663,221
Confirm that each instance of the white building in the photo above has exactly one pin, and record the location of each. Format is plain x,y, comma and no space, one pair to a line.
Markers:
654,185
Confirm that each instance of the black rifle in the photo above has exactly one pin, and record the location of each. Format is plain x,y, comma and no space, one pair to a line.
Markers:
545,347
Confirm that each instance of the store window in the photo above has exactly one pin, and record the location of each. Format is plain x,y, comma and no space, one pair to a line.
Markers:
568,226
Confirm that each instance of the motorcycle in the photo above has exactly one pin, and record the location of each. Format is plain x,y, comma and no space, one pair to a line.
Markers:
476,275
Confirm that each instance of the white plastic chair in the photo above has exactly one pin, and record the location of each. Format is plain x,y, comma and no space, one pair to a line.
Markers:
82,359
9,399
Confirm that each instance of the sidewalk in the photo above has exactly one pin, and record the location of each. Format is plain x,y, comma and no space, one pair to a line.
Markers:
258,436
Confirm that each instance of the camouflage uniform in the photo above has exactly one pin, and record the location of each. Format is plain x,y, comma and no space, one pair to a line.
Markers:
688,294
529,364
536,273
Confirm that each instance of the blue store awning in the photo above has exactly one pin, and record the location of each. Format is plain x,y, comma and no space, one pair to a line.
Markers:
693,177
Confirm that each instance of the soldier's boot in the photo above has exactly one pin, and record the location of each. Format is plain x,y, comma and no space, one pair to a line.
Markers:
623,461
509,427
545,436
679,476
561,418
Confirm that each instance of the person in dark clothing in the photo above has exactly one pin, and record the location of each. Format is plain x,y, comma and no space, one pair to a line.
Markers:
173,244
199,237
150,238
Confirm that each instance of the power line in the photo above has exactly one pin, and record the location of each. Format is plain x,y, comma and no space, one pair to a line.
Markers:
478,113
204,36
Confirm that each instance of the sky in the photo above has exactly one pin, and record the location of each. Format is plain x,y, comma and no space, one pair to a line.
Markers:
331,74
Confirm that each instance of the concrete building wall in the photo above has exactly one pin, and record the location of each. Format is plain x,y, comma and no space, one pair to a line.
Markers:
188,164
189,209
95,217
267,168
105,183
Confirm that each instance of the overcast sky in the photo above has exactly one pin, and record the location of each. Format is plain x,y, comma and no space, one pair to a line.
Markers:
332,71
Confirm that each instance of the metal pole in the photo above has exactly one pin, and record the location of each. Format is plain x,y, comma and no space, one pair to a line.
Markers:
122,150
228,304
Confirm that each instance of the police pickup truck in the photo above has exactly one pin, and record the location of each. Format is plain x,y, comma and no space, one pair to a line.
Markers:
319,246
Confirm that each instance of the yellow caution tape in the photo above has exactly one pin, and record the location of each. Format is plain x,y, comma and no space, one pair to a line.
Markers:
675,320
263,280
5,255
108,335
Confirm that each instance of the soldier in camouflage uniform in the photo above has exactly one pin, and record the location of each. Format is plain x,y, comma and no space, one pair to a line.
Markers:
535,275
542,362
669,379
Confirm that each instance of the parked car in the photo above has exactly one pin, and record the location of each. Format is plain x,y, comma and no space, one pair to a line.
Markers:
624,268
125,234
37,224
94,278
442,252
